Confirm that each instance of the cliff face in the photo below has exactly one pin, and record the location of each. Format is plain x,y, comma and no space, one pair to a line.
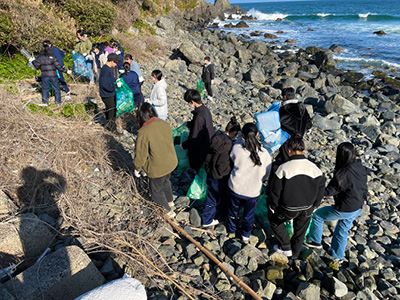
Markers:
27,23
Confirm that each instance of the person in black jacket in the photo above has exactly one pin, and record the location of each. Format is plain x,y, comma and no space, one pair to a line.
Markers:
208,76
48,65
297,189
107,86
218,167
200,131
59,54
349,189
295,120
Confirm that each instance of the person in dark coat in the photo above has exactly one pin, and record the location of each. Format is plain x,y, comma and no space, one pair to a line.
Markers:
48,65
132,80
107,91
200,131
208,76
349,189
59,54
295,120
218,167
297,189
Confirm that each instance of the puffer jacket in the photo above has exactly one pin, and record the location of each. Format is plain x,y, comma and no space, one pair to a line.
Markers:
158,97
48,65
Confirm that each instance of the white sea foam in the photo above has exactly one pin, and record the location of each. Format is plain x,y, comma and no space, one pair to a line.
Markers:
323,15
364,16
234,16
265,17
380,63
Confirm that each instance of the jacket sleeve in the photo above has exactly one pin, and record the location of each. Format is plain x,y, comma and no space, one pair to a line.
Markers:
321,191
142,153
196,138
37,63
58,66
333,188
212,74
161,97
275,191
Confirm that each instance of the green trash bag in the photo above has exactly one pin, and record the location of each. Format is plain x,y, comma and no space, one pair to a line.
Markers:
198,189
124,98
200,87
290,231
179,135
261,208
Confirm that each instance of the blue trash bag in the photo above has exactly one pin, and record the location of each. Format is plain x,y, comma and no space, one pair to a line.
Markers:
124,96
269,127
80,67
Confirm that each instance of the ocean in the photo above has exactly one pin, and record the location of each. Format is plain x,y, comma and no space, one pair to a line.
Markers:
347,23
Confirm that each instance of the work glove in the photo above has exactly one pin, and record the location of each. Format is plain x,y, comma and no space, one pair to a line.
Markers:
118,52
136,173
73,52
69,72
84,54
119,84
31,59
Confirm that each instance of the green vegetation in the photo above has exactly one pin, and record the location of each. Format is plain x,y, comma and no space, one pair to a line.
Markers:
16,68
380,74
144,27
185,4
69,110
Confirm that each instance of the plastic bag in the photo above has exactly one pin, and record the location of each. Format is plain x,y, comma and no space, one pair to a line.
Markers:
80,67
262,208
290,230
124,98
198,189
269,126
180,135
200,87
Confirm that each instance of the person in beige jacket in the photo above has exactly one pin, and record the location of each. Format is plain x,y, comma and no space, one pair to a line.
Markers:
155,154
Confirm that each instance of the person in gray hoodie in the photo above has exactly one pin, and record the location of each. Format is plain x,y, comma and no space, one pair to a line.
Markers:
158,95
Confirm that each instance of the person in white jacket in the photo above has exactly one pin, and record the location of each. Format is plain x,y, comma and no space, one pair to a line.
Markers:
158,95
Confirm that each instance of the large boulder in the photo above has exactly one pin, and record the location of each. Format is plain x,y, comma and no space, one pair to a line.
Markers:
256,75
308,291
222,5
176,66
193,54
25,236
324,60
166,23
258,46
62,275
340,105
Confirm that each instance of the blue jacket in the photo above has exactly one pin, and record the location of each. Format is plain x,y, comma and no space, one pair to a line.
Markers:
132,80
106,82
59,54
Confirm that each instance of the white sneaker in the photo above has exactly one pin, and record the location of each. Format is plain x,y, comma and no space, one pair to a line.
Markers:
209,98
91,82
287,253
43,104
213,223
171,214
245,239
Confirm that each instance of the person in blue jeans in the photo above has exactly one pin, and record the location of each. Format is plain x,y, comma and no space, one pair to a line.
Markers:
349,189
218,167
251,163
48,65
59,54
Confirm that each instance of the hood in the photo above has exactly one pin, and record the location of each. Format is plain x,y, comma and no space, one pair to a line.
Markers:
162,83
220,142
295,108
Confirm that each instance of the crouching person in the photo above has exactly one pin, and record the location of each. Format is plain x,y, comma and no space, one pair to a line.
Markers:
155,154
296,190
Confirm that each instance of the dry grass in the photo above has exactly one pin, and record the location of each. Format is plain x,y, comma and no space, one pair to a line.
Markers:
81,176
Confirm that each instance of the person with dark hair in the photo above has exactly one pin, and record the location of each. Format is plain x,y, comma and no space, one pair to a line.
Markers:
107,84
59,54
134,67
251,163
118,51
132,80
349,189
158,95
218,167
48,65
114,44
99,58
207,76
200,130
155,154
296,190
107,48
84,47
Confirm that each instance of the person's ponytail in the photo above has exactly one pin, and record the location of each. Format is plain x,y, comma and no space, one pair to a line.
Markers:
127,67
249,132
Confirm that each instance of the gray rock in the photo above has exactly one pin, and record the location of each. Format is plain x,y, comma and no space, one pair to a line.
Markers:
340,105
339,288
256,75
191,52
64,274
194,217
24,237
166,23
258,47
324,60
176,66
308,291
325,123
336,49
241,258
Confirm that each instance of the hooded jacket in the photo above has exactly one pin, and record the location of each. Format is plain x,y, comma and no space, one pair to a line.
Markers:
208,73
351,192
218,162
158,97
48,65
83,46
295,119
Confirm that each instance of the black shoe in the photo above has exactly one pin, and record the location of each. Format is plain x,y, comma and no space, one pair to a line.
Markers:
312,244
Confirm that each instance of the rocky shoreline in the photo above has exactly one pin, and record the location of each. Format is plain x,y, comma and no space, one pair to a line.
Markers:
344,107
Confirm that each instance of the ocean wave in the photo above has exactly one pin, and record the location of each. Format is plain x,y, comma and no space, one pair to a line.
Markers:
324,15
379,63
265,17
365,17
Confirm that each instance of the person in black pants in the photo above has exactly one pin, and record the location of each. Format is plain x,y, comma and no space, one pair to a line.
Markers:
208,76
107,89
297,189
